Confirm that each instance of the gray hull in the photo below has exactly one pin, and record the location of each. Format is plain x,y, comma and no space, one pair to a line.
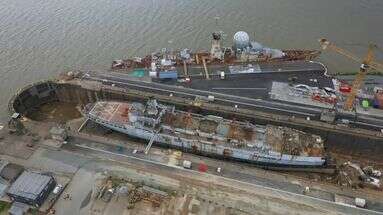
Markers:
259,157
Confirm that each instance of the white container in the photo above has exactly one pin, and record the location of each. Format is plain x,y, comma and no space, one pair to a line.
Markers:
222,75
359,202
153,74
187,164
210,98
153,65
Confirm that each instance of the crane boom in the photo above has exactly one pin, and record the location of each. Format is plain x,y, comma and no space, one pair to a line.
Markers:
359,79
325,44
366,64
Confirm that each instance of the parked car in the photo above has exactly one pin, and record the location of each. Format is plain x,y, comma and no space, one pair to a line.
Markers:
57,189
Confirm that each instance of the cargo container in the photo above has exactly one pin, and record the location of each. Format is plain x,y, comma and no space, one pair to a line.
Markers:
359,202
187,164
210,98
202,167
153,74
168,75
222,75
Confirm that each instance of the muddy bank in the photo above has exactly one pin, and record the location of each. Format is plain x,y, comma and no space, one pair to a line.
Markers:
55,112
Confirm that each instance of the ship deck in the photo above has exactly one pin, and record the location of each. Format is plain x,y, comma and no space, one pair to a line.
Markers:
241,135
112,112
213,129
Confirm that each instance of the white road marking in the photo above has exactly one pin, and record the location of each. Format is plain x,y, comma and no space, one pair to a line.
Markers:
238,88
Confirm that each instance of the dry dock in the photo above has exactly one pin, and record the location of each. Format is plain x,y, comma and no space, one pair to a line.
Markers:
90,87
48,103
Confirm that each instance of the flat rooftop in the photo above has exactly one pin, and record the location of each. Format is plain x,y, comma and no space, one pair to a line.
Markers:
29,185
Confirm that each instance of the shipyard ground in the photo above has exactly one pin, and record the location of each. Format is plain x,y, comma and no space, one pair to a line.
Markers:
94,154
238,189
211,194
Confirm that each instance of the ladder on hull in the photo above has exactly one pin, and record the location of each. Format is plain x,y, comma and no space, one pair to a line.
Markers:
151,142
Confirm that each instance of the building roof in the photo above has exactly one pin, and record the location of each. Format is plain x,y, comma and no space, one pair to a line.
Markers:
3,163
11,171
3,187
18,208
29,185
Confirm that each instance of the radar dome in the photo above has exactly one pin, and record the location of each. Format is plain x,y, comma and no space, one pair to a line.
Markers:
241,40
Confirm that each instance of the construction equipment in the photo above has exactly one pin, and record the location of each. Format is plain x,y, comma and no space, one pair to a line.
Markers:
366,64
15,125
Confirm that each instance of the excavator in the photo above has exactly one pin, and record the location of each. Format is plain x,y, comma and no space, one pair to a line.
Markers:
366,64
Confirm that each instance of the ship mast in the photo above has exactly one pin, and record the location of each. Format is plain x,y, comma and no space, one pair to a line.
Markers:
216,50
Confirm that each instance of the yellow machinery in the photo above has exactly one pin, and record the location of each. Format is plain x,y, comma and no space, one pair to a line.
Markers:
366,64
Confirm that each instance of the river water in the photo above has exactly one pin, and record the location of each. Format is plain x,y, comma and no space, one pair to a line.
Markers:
40,38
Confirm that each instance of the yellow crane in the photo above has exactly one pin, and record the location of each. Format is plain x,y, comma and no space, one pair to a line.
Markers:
366,64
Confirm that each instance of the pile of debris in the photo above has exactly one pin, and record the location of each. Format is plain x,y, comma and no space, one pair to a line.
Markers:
352,175
135,192
147,194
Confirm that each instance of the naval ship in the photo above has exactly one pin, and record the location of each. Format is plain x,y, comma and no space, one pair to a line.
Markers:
264,145
243,51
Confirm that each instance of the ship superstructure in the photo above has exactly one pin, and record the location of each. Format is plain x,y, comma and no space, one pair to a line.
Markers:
242,51
211,135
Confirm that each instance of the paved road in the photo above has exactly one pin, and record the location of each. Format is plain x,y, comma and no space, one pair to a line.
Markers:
304,72
120,80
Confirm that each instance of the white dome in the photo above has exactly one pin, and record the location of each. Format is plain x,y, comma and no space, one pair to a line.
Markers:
241,40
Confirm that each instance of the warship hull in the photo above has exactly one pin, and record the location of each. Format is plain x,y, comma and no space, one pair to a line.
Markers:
267,146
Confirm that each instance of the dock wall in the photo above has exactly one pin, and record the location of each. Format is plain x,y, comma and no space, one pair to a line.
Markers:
342,140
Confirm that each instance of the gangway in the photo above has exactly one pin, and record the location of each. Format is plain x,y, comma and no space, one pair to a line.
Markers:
151,142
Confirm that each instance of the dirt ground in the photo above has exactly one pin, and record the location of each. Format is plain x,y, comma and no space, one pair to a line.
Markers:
190,199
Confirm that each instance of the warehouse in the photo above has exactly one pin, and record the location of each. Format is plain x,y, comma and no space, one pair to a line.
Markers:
31,188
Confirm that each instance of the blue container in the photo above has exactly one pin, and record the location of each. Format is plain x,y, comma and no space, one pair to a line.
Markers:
375,103
168,75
